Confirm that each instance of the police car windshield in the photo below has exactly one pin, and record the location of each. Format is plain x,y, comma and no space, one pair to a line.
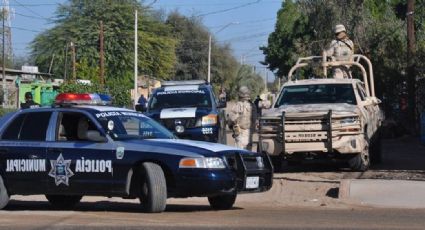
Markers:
180,98
123,125
317,94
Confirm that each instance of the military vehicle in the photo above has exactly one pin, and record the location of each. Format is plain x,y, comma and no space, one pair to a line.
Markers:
324,117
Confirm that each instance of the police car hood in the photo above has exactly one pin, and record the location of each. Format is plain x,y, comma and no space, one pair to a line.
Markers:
181,147
183,112
341,109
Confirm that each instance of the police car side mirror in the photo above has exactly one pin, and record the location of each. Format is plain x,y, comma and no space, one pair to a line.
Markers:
94,135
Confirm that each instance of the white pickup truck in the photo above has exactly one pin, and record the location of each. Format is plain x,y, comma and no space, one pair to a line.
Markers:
324,118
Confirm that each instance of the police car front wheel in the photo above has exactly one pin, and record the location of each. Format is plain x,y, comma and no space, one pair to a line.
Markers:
4,196
153,194
63,201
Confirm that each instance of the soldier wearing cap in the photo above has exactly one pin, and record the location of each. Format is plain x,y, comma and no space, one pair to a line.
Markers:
242,118
29,103
342,49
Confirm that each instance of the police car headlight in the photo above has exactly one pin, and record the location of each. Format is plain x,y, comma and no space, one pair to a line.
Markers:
210,119
202,162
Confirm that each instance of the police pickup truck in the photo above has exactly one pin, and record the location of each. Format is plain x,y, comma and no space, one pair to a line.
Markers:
73,150
189,109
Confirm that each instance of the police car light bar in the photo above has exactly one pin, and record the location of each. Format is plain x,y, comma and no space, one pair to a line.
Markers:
82,99
189,82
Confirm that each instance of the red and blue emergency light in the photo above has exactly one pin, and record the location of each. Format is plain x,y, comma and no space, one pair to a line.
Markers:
82,99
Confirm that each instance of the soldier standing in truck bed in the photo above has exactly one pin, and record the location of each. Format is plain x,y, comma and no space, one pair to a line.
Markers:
342,49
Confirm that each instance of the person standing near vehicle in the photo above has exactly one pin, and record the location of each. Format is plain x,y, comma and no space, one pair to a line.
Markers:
141,103
29,103
341,49
242,118
257,102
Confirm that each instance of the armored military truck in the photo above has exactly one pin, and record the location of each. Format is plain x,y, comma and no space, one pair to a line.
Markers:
324,117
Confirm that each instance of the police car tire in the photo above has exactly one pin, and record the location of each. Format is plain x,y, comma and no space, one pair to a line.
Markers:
4,196
63,201
222,202
153,195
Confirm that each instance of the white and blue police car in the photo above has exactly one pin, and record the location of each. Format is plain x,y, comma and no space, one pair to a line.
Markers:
189,109
78,148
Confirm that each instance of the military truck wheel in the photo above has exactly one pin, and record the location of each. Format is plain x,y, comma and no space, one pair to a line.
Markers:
277,162
222,202
361,161
153,194
62,201
4,196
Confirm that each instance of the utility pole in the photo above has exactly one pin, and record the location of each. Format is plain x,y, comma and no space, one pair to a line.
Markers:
102,64
51,63
4,60
135,57
411,75
66,62
74,72
209,59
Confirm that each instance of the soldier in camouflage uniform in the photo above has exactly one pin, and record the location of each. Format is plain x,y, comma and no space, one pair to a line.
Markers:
342,49
242,118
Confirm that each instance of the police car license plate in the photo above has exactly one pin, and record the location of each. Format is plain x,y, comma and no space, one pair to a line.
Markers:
252,182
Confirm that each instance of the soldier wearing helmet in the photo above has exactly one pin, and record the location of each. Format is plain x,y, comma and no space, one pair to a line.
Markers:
242,118
29,103
341,49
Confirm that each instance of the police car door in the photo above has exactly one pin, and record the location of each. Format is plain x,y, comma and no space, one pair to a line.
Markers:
23,151
77,163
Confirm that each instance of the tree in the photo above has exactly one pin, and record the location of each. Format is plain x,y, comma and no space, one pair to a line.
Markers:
192,53
246,77
77,21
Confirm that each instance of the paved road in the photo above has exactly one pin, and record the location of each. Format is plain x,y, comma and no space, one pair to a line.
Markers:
124,215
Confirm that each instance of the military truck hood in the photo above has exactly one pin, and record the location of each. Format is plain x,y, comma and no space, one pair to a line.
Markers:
339,109
180,147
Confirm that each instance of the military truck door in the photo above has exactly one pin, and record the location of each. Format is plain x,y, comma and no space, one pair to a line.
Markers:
76,163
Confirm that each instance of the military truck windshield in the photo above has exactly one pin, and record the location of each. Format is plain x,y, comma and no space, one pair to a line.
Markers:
317,94
180,98
131,125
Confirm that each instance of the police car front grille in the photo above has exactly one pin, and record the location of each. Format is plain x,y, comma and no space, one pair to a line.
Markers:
186,122
250,162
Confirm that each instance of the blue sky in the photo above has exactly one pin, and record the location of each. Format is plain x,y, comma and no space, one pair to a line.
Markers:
252,21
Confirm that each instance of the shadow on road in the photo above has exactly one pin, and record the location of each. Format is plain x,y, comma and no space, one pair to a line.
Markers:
103,206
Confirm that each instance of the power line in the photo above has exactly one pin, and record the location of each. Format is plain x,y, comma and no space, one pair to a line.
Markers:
34,17
29,9
229,9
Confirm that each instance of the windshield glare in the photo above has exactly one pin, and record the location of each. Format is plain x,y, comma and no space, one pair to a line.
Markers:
317,94
180,98
129,125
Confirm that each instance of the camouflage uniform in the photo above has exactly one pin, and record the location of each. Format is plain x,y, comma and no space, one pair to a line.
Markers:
242,118
341,50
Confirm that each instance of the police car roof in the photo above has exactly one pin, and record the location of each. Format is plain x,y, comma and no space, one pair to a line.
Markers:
89,108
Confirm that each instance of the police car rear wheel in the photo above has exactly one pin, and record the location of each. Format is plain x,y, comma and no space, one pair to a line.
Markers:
63,201
153,195
222,202
4,196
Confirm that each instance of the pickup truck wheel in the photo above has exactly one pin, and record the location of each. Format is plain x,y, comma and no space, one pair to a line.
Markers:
4,196
361,161
222,202
153,194
63,201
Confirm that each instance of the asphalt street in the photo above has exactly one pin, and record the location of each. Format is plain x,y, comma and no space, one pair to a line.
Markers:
124,215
